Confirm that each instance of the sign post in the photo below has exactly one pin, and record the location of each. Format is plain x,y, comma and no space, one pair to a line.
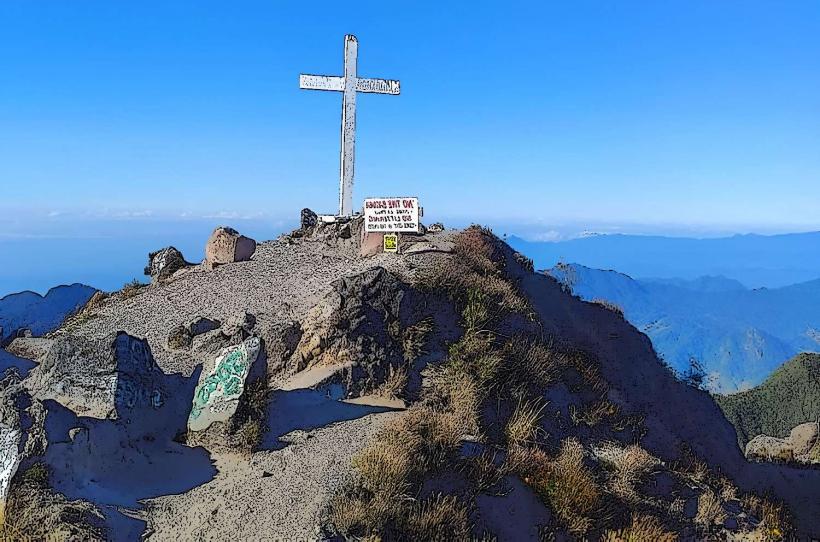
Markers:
382,215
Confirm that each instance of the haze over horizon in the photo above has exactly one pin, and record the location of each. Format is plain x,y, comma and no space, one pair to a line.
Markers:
694,114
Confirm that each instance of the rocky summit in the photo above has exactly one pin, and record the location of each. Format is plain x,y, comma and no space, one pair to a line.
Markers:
314,387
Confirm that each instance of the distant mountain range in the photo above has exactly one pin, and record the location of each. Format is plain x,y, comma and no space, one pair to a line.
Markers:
738,335
754,260
40,313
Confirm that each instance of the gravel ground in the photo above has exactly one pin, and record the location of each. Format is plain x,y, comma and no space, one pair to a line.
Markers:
282,278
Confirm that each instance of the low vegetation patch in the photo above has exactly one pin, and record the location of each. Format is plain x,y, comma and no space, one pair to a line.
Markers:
36,512
415,481
131,289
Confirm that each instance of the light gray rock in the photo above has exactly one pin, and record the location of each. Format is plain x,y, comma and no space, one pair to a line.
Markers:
766,448
32,348
9,459
804,437
226,245
163,263
115,377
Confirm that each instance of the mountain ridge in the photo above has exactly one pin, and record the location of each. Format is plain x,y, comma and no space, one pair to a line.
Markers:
754,260
739,335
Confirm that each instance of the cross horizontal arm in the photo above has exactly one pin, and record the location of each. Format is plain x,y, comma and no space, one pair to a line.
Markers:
378,86
322,82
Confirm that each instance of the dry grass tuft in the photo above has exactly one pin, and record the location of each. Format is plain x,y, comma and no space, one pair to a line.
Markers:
483,472
476,279
529,366
248,437
710,510
394,384
442,517
564,483
131,289
414,339
475,355
595,413
643,528
524,424
35,512
728,491
775,520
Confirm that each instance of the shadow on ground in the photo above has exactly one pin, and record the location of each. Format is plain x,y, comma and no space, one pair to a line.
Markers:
117,463
308,409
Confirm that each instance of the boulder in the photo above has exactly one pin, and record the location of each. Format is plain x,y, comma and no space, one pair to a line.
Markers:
226,245
279,336
222,384
358,324
182,336
371,244
164,262
115,377
766,448
32,348
179,337
308,219
804,437
240,323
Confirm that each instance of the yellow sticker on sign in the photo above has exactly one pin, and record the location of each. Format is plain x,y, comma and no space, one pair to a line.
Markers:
391,242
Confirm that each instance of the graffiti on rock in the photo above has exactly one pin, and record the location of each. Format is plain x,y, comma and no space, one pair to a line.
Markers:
218,392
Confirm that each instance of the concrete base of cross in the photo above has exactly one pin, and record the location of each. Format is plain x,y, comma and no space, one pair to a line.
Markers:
331,219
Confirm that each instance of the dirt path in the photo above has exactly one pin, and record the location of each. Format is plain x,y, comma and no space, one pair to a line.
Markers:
274,495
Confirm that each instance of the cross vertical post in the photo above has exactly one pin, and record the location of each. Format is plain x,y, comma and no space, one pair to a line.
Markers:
348,146
348,84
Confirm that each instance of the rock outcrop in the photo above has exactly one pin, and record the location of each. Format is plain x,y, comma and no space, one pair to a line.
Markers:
798,447
105,378
226,245
358,326
163,263
32,348
182,336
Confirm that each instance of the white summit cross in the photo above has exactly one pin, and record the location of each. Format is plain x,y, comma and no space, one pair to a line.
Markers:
349,84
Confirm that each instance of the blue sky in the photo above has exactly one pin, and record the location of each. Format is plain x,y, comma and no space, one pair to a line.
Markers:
700,114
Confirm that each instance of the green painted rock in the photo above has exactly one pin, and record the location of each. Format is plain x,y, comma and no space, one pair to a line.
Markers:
222,384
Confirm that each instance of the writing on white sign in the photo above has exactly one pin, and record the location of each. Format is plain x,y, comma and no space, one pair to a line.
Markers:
391,214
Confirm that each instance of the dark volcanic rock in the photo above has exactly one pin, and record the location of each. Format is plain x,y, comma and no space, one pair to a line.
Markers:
358,323
308,219
164,263
182,336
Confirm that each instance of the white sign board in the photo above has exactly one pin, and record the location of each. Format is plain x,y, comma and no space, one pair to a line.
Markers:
391,215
